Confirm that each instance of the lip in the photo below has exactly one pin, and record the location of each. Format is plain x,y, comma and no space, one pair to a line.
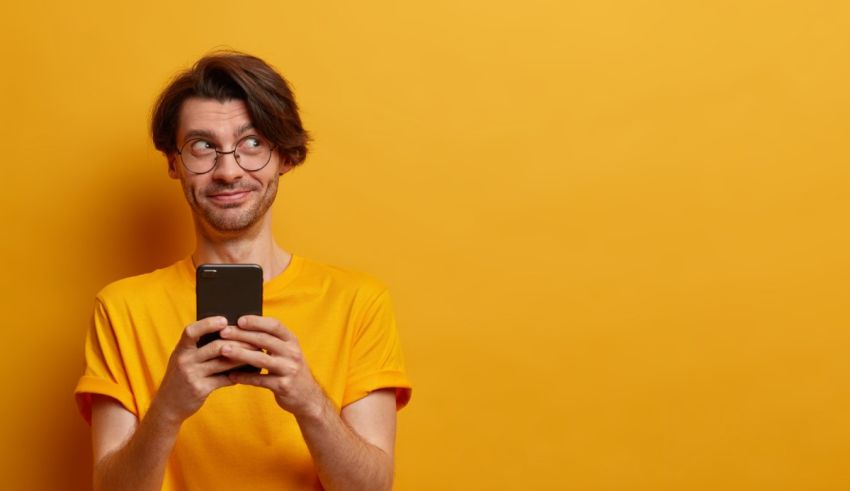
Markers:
229,197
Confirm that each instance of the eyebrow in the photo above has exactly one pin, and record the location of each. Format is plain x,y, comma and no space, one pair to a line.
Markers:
211,136
199,133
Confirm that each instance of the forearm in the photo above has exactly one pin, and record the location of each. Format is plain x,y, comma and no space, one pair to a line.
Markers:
139,464
344,461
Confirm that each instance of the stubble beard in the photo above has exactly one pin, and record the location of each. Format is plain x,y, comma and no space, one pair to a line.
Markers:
228,219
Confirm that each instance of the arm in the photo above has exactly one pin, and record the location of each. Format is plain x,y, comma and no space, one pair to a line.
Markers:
129,454
352,450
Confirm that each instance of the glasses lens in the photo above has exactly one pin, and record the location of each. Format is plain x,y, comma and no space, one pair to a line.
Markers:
198,156
253,153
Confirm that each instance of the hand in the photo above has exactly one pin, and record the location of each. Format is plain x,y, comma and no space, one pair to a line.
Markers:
289,377
193,373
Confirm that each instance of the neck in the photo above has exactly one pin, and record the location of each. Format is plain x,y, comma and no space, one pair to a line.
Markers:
255,245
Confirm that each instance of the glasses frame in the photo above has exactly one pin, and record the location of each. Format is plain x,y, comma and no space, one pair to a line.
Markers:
221,152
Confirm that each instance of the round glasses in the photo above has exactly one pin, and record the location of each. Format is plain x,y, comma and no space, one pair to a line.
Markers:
199,156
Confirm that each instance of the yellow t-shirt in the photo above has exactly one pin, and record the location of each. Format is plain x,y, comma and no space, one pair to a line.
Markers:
240,438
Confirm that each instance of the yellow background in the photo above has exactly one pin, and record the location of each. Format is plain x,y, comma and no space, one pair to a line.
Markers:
615,230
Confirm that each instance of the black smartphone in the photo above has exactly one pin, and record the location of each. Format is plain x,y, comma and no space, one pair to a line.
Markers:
231,291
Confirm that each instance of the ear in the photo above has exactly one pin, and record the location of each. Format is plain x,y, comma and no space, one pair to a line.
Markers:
172,167
285,167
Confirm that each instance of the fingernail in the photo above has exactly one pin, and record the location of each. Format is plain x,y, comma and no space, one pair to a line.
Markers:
226,330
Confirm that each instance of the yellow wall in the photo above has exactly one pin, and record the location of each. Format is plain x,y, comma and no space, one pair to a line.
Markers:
615,231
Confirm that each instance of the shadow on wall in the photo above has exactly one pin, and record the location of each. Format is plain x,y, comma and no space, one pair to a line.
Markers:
138,222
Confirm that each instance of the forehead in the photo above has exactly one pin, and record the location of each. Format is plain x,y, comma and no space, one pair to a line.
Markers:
220,118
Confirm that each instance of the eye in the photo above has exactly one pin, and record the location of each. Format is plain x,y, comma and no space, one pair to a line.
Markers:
252,145
201,147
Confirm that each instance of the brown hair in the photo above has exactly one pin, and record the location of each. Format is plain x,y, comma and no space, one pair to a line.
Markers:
227,75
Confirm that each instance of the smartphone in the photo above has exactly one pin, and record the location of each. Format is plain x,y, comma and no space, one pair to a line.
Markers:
231,291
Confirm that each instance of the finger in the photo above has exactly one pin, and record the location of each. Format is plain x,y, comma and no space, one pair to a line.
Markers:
213,368
248,357
254,379
219,381
195,330
268,325
213,350
256,339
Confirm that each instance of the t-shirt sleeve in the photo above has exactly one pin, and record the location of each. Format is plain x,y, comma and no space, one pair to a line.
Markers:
104,368
376,357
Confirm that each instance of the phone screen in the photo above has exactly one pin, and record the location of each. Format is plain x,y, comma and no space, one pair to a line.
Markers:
228,290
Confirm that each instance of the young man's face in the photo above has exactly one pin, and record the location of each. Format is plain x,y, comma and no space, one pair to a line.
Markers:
227,199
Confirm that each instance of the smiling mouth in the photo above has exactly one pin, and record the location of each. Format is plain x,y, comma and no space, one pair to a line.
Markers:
231,197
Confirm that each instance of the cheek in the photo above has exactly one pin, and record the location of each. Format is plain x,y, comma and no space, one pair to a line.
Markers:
266,181
271,185
190,189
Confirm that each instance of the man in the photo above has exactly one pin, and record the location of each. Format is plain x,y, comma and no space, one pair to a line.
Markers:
162,412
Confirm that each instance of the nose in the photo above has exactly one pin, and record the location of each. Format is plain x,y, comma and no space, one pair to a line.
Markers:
226,168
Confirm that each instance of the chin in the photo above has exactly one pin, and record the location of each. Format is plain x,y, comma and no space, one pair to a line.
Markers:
234,218
230,224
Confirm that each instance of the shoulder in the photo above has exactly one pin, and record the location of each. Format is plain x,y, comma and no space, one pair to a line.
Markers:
334,279
340,274
145,286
